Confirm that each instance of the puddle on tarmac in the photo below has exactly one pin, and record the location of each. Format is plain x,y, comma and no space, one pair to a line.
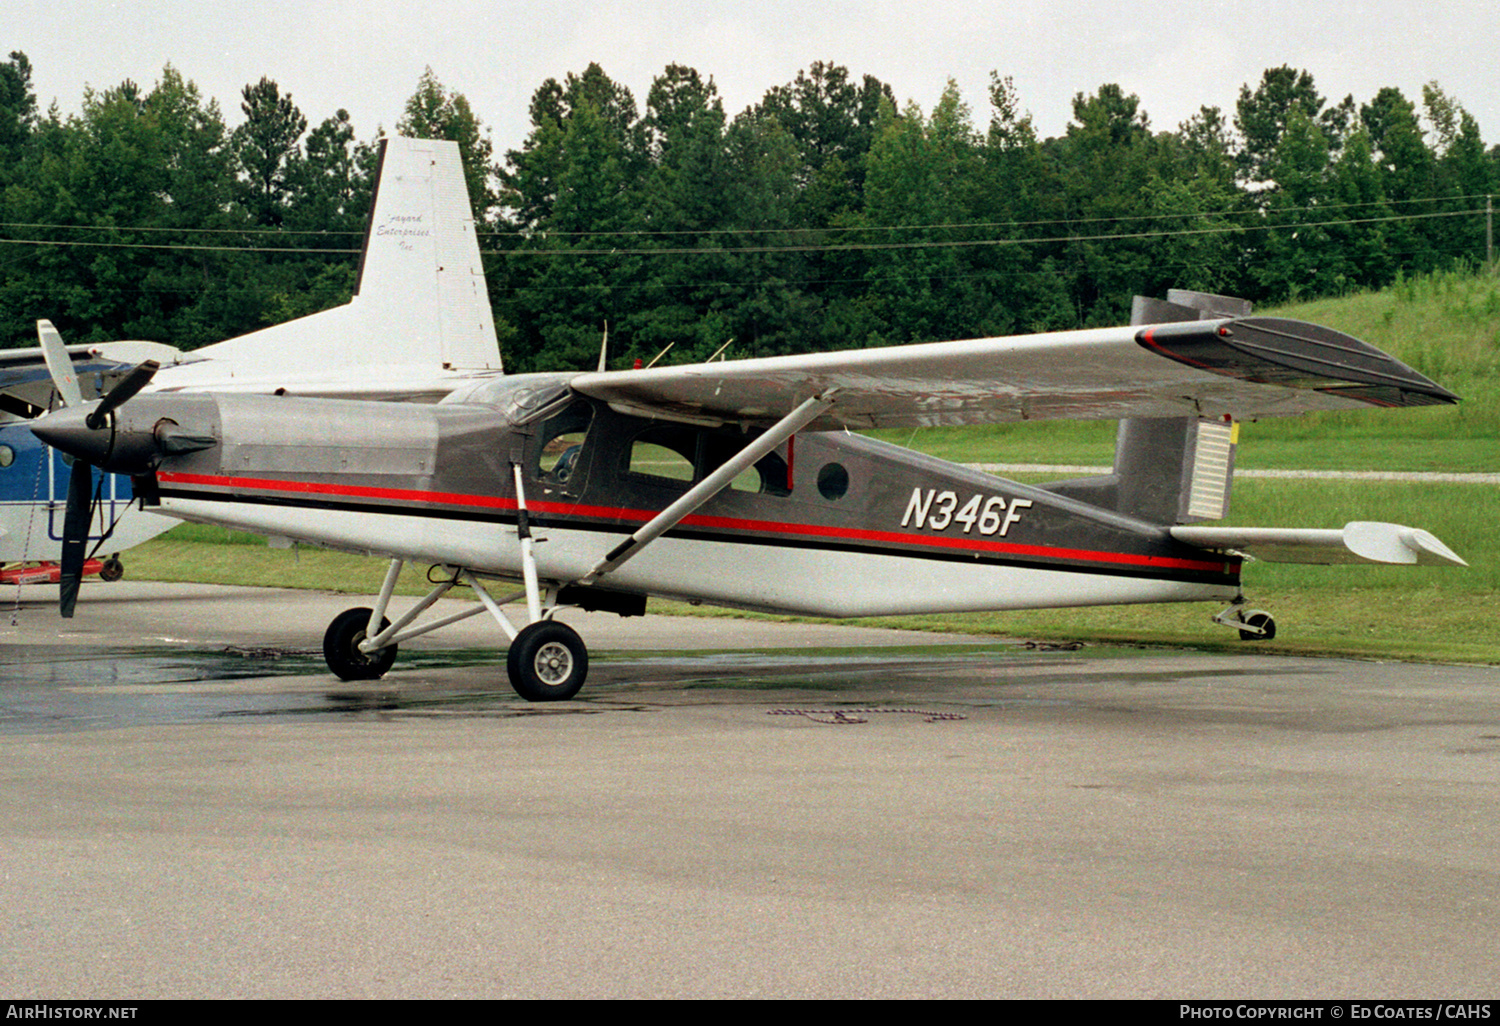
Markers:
57,688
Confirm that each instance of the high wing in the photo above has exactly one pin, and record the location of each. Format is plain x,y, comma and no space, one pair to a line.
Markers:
1242,367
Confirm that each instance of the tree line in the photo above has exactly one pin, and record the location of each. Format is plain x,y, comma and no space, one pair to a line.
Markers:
825,216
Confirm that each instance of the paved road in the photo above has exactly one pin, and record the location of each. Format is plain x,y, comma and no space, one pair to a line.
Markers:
703,824
1433,477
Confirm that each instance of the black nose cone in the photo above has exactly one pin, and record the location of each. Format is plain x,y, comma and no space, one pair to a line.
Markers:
67,431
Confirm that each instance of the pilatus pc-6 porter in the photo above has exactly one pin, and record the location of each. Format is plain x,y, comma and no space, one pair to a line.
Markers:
741,483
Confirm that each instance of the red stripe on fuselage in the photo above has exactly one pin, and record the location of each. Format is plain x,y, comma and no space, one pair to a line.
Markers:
692,520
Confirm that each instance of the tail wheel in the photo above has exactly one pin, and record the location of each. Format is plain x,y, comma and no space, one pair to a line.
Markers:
341,647
1266,627
547,662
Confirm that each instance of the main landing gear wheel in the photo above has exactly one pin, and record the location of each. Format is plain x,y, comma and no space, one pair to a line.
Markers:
1266,627
547,662
112,570
341,647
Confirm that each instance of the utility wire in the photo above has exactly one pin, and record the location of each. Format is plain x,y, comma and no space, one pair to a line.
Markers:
827,247
542,233
837,247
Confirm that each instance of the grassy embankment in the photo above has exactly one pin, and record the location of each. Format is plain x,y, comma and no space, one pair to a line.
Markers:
1447,326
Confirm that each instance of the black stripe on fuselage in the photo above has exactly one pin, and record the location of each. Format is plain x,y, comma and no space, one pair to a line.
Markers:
542,521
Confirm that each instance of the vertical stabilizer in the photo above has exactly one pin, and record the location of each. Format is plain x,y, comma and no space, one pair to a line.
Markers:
1169,470
420,310
1177,470
420,275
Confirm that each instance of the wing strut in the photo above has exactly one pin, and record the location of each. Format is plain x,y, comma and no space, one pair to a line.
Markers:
712,485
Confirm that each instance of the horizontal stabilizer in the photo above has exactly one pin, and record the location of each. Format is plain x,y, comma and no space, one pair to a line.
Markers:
1362,541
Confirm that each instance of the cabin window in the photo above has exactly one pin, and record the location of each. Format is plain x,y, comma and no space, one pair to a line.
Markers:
833,481
665,451
766,476
7,456
682,454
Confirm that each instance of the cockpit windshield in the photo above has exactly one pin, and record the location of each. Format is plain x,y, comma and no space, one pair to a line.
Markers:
521,399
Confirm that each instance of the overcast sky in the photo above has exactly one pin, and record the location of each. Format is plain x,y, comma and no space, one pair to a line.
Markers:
1177,55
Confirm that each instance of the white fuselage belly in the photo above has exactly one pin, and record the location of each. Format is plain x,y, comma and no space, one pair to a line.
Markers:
810,581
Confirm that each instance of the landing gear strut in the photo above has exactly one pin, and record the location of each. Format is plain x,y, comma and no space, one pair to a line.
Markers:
547,661
1253,624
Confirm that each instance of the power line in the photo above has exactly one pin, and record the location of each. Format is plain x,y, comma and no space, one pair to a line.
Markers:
827,247
180,246
540,233
838,247
34,226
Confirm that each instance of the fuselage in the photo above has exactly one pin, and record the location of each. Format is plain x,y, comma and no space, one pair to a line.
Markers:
828,524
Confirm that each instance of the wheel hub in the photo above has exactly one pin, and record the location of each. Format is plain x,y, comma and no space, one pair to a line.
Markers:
554,663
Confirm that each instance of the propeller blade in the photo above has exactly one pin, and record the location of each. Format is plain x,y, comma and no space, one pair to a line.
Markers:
124,390
75,535
59,363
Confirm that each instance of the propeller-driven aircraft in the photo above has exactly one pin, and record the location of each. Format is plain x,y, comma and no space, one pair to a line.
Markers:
740,483
419,325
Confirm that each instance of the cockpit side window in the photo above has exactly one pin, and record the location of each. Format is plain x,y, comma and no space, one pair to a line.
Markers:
558,456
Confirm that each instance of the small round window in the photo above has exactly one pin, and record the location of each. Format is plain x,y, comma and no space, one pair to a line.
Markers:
7,456
833,481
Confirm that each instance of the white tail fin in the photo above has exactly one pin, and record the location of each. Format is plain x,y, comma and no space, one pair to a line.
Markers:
420,318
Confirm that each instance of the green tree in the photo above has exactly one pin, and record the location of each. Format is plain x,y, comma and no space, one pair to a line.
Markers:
1299,256
681,208
1262,115
834,121
263,145
1464,177
1018,196
529,181
18,113
331,181
1197,208
433,112
570,285
1358,199
924,183
1408,173
774,306
1107,158
125,173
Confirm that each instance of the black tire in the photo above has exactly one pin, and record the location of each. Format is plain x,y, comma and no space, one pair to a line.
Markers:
112,570
341,647
1264,622
547,662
